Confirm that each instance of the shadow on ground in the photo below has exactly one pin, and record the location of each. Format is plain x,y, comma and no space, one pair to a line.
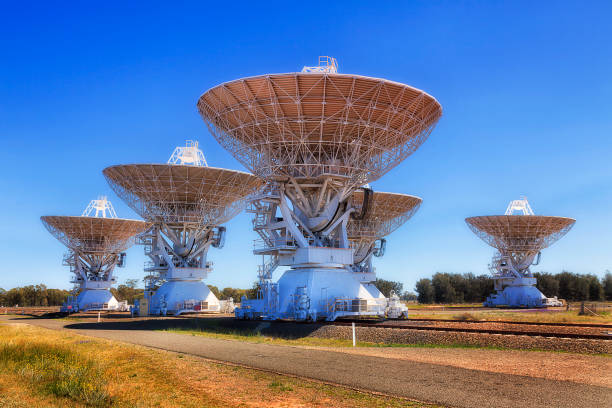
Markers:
220,325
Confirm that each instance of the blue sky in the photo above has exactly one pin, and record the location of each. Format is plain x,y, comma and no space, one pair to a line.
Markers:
525,86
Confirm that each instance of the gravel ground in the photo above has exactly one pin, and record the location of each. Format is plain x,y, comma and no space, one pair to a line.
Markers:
292,330
442,384
506,326
407,336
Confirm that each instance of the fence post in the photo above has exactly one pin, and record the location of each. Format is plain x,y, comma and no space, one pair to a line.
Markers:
353,334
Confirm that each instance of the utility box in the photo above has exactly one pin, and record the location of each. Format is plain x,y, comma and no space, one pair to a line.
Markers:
143,307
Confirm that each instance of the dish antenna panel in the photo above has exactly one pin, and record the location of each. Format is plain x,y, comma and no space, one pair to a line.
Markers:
327,65
189,155
315,138
96,242
519,240
521,205
101,207
187,202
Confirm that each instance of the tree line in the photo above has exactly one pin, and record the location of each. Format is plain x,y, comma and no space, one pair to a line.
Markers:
441,288
33,295
460,288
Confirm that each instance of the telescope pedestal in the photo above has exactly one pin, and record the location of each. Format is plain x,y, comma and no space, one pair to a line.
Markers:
96,299
314,294
520,292
183,296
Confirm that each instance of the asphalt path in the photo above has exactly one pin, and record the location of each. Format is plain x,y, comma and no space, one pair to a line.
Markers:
449,386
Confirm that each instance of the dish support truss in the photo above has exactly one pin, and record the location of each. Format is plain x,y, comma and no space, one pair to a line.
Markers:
514,283
304,226
93,274
177,267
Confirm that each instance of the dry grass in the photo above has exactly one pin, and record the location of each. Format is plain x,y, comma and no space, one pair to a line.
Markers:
466,317
40,367
536,316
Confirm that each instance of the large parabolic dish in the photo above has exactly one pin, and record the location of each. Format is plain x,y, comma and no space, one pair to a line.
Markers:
316,136
96,244
187,202
94,235
176,194
520,233
519,240
306,125
387,212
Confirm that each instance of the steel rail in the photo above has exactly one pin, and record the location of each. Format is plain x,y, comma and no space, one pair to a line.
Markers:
555,324
477,331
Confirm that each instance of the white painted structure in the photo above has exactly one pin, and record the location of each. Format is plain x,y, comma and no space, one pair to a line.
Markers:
186,201
97,241
519,238
315,137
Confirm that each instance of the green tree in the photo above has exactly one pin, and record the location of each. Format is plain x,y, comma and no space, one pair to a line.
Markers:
215,291
444,292
425,291
386,287
252,293
607,285
128,291
596,291
547,283
233,293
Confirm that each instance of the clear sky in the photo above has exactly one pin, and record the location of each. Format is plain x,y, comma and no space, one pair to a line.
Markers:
526,89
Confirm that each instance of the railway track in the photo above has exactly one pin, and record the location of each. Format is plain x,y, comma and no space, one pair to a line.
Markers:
598,325
531,333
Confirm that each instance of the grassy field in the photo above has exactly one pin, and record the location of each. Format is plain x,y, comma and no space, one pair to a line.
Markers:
45,368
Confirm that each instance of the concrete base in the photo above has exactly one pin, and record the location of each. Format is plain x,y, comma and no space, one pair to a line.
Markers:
313,294
517,296
96,299
177,297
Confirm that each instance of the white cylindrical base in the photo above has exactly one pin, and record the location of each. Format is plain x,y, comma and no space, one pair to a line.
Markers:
176,297
317,293
96,299
517,296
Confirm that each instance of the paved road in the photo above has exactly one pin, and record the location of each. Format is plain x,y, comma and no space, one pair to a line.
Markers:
451,386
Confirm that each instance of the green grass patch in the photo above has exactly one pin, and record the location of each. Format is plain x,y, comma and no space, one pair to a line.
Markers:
280,386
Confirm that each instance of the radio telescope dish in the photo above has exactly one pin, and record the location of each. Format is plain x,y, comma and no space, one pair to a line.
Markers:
96,245
175,193
315,136
92,234
187,202
312,124
387,212
520,233
519,239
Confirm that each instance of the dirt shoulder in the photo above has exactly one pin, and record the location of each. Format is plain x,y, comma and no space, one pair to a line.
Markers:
579,368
